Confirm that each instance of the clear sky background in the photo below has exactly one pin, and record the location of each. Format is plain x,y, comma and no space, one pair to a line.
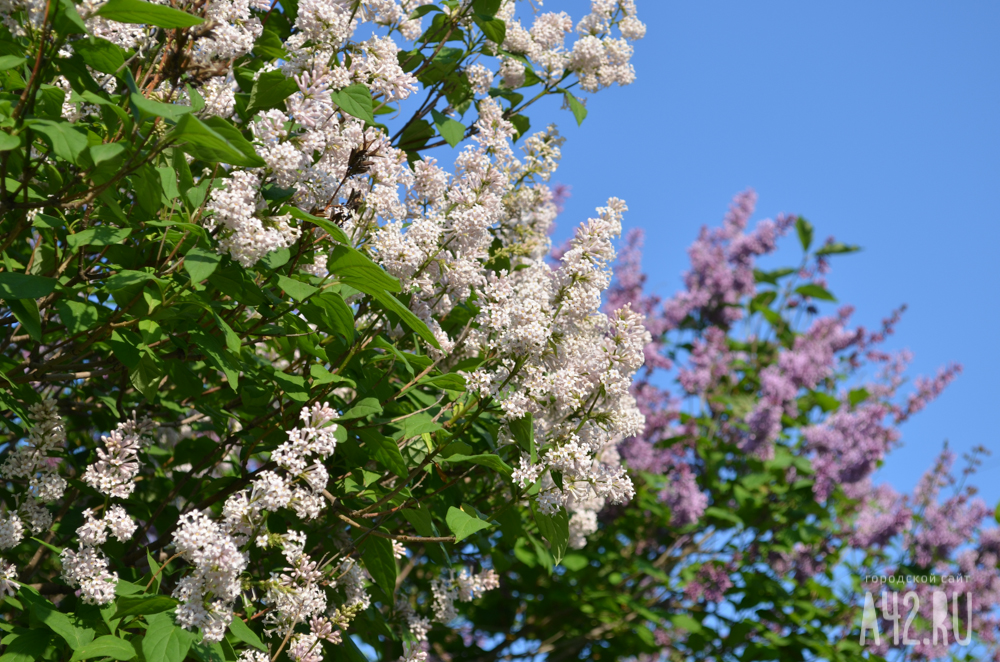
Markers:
879,122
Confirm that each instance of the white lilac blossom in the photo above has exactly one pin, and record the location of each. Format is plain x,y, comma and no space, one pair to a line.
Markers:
480,78
37,462
248,234
11,530
8,579
118,462
463,587
434,230
87,567
215,548
207,593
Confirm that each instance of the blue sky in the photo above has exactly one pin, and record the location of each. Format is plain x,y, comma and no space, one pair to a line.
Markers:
879,122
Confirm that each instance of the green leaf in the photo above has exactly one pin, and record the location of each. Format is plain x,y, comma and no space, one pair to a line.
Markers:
68,21
146,377
29,646
200,264
137,11
127,278
826,401
417,325
296,288
494,28
364,407
555,529
103,235
218,356
136,605
355,100
348,651
450,382
127,588
355,269
10,61
106,646
294,386
725,515
208,652
685,622
331,229
416,425
105,152
77,315
226,129
805,231
269,91
125,347
203,142
337,314
170,111
462,524
100,54
523,430
56,621
484,459
857,396
67,141
423,10
576,106
321,375
815,291
276,258
26,312
46,221
521,123
378,559
243,632
452,131
384,450
575,562
24,286
837,247
420,519
8,142
486,7
164,641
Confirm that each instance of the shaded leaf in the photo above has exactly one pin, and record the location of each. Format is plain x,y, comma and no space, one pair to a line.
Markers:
296,288
451,130
384,450
815,291
805,231
357,270
200,264
243,632
355,100
364,407
103,235
164,641
203,142
576,106
555,529
135,605
171,111
523,430
24,286
106,646
137,11
380,562
462,524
